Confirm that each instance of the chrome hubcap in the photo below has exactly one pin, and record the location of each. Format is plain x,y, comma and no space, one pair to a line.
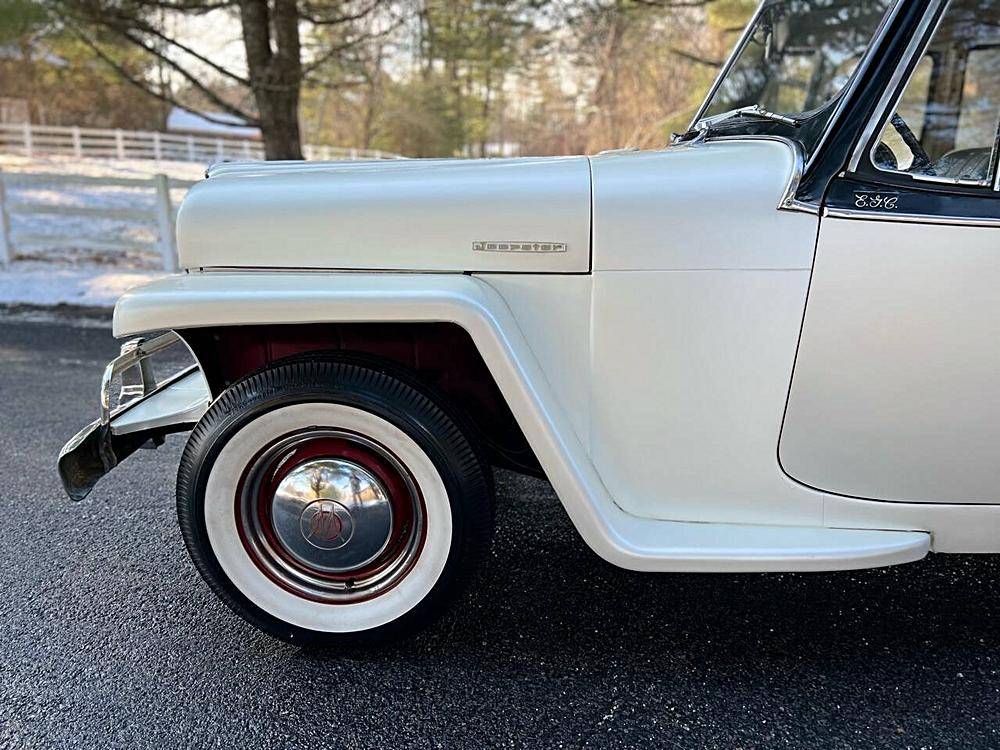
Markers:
330,516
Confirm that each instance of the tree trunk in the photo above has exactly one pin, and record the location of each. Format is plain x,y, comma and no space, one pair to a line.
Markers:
485,112
374,87
279,124
28,77
275,72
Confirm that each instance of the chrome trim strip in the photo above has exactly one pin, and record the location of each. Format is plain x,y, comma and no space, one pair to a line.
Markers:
191,414
798,169
938,178
917,43
133,354
971,221
995,166
800,206
728,64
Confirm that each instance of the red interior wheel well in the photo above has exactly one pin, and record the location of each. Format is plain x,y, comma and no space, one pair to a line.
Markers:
441,356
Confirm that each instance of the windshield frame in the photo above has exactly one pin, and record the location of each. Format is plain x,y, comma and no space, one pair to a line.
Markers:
839,102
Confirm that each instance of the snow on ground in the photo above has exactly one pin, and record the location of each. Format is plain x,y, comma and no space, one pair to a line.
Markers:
34,283
62,259
182,170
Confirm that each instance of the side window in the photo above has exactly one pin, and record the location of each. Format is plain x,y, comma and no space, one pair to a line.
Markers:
892,151
947,121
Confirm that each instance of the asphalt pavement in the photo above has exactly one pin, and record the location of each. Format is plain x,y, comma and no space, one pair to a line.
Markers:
109,639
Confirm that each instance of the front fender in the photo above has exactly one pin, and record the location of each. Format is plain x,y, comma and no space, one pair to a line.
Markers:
209,299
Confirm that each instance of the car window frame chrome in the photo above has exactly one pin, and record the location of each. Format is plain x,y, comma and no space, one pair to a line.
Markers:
996,161
922,39
895,88
740,43
843,97
834,212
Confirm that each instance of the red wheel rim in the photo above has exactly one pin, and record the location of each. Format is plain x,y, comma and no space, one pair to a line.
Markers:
330,516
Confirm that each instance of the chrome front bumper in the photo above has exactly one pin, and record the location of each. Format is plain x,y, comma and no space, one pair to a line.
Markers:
146,411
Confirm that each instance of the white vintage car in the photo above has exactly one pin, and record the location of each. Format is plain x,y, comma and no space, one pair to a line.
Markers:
772,346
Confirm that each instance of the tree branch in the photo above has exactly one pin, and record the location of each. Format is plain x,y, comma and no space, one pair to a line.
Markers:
674,3
185,74
696,59
148,29
162,95
333,50
182,6
309,14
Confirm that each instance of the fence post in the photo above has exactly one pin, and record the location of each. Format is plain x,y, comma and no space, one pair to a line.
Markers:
120,143
354,154
167,237
77,143
378,154
29,146
220,150
157,149
246,149
6,253
191,148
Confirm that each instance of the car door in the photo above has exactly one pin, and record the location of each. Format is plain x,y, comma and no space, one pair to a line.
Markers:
895,393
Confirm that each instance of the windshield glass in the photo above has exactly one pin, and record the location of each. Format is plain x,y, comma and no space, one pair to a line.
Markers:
798,57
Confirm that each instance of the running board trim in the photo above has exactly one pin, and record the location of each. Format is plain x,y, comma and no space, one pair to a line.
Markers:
681,546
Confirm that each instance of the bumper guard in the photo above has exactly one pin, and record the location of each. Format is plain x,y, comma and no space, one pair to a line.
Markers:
146,412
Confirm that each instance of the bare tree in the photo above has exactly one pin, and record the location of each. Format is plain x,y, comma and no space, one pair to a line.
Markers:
272,32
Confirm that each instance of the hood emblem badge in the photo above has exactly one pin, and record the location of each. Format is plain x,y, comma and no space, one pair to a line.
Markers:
519,247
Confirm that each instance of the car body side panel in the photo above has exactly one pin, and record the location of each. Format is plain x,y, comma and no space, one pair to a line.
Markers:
554,313
702,207
896,393
699,287
688,411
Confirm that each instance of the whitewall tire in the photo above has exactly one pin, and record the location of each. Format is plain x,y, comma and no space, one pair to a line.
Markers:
327,501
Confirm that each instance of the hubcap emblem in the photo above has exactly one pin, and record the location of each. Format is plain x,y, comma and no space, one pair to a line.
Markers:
332,515
326,524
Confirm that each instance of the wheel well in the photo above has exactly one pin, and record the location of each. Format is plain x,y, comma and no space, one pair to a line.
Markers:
440,356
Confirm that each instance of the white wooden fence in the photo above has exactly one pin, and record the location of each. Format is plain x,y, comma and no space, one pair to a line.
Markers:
159,218
33,140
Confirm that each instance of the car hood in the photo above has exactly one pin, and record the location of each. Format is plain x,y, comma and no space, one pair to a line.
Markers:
530,215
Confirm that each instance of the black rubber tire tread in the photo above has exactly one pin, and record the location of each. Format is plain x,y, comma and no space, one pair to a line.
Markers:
465,477
402,373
